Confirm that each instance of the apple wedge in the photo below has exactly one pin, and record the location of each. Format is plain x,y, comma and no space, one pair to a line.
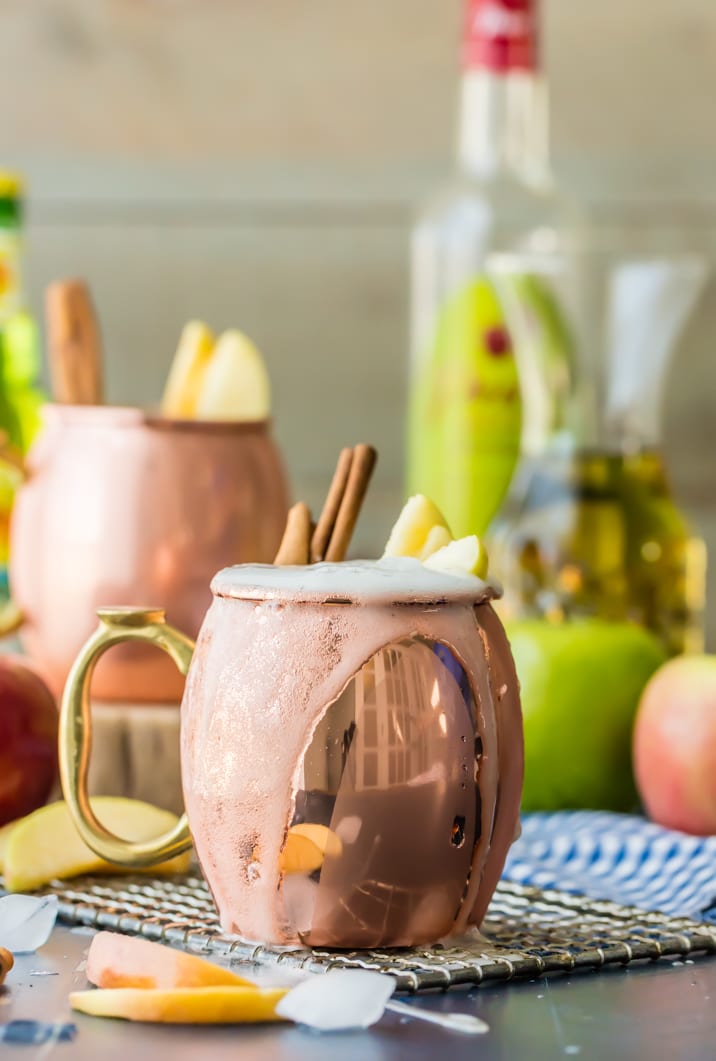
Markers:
235,385
414,526
466,556
183,1005
191,359
438,538
46,846
114,960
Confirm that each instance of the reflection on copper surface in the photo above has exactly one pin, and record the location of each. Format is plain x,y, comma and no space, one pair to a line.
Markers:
389,796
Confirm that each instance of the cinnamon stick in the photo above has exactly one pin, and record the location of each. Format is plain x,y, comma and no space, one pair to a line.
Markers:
361,469
326,521
296,537
73,344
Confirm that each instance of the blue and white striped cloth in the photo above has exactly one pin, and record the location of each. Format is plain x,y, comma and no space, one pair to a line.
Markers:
618,857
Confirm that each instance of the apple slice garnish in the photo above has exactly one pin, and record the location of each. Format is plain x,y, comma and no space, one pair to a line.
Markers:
418,521
466,556
438,538
235,385
186,374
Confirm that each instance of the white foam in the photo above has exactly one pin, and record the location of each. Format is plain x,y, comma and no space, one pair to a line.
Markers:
396,578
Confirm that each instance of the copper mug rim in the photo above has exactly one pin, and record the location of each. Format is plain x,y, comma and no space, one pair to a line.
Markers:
356,582
137,416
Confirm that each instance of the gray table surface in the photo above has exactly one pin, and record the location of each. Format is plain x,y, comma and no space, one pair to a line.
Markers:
654,1011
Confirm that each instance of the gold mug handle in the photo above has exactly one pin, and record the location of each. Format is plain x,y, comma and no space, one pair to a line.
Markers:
75,733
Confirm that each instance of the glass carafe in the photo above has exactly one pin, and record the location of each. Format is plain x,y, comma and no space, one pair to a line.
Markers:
590,527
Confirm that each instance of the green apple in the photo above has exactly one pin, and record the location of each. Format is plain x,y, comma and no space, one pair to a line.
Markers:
580,684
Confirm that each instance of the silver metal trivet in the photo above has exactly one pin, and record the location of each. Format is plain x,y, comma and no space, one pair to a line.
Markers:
527,932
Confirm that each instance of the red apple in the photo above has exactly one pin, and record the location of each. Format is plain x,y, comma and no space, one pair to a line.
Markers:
675,745
28,739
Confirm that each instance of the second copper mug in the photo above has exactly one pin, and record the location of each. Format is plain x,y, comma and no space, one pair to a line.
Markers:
123,506
351,750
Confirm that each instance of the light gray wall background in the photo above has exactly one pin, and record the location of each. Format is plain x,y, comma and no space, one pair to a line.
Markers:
257,163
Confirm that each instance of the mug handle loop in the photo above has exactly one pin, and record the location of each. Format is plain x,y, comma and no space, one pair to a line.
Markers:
75,733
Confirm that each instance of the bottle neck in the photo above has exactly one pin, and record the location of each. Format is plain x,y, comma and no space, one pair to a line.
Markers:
503,110
503,129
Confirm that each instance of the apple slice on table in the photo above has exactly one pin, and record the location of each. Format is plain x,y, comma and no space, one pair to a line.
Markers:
46,846
419,528
114,960
4,840
183,1005
191,359
235,385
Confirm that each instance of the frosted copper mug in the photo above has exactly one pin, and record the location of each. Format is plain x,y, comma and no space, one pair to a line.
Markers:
351,751
122,507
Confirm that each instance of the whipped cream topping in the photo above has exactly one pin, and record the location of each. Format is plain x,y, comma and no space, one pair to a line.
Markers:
395,579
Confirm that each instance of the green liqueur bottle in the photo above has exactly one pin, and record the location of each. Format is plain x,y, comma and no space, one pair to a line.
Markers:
464,417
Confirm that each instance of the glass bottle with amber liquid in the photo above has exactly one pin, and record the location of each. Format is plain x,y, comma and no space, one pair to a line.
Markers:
590,526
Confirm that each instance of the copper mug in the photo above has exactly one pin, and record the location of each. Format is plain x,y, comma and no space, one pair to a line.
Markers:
351,750
120,505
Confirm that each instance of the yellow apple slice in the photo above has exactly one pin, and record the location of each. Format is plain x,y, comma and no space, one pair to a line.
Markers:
4,840
183,1005
466,556
438,538
187,370
46,846
307,846
236,384
114,960
413,527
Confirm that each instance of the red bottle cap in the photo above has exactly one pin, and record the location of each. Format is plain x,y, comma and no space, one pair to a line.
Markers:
500,35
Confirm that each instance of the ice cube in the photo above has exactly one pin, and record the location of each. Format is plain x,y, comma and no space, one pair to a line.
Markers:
338,1000
26,922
